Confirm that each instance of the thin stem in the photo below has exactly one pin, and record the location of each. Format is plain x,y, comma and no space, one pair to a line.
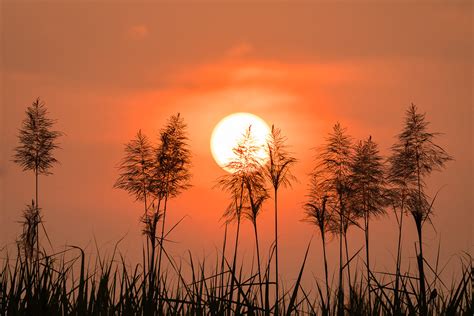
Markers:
234,262
145,218
276,251
151,270
221,289
368,259
419,228
37,212
423,307
162,241
399,250
348,263
258,260
328,295
340,294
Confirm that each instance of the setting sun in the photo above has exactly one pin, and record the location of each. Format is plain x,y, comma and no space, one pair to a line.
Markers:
230,130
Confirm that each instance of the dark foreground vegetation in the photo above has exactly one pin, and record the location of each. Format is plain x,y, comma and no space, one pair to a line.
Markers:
351,185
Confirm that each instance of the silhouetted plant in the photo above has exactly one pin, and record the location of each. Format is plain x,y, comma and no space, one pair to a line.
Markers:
136,169
257,195
246,183
37,141
414,157
369,191
350,218
399,180
254,181
136,178
155,174
233,183
31,219
317,213
172,162
334,163
278,171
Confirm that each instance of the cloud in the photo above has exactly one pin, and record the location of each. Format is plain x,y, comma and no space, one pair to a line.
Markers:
137,32
240,50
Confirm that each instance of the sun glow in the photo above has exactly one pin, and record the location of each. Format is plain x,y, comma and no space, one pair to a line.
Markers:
230,131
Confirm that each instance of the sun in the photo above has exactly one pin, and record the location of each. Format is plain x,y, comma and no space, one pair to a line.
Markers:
230,130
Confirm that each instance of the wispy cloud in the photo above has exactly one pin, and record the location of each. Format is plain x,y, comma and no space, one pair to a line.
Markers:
137,32
240,50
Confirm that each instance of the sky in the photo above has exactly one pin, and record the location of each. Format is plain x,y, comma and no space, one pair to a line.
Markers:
107,69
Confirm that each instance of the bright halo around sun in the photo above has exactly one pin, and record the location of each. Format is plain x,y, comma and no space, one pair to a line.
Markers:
230,131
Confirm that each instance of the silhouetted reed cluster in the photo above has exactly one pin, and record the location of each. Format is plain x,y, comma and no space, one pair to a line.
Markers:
351,185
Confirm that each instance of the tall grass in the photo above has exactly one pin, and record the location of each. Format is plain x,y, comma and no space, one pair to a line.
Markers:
69,283
278,172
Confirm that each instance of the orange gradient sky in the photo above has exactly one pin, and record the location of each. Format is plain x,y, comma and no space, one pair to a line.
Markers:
108,69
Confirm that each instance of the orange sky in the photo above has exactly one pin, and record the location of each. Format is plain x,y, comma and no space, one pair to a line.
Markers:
106,70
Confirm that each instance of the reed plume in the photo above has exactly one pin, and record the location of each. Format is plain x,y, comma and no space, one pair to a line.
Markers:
414,157
334,161
246,183
37,142
278,171
31,219
171,174
135,177
369,191
318,214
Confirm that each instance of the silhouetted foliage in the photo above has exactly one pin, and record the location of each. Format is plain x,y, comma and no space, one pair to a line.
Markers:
278,171
368,184
153,174
136,168
281,161
414,157
334,162
30,222
369,195
37,140
136,175
317,213
247,177
316,208
171,174
245,171
246,183
172,159
334,165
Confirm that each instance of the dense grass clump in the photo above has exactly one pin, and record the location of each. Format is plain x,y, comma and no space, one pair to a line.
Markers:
67,283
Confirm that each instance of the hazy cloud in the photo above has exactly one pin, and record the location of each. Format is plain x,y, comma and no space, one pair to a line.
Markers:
240,50
137,32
